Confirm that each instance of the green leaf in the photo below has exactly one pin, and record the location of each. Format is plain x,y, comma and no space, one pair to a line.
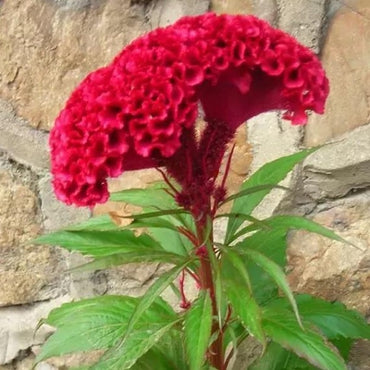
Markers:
167,354
158,222
271,173
256,222
171,241
156,197
277,274
343,345
333,319
96,323
283,328
198,324
238,290
139,255
163,212
252,190
99,243
278,358
151,295
273,244
154,359
136,345
98,223
286,222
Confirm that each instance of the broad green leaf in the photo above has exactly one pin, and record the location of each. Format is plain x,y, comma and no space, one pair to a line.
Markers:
271,173
273,244
276,273
157,222
136,345
156,197
96,323
139,255
286,222
343,345
282,327
333,319
99,243
151,295
278,358
198,324
153,359
238,290
167,354
153,199
171,241
97,223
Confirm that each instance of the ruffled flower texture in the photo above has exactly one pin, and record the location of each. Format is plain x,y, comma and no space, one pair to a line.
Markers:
133,113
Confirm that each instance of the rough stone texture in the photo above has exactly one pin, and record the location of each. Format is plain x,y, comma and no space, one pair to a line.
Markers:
266,9
22,143
340,167
27,273
166,12
346,58
272,138
331,269
303,19
17,327
55,213
232,7
49,46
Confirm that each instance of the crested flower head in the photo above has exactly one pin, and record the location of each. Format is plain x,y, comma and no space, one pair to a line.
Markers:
135,112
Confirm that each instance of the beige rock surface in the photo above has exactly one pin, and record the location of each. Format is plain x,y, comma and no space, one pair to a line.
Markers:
346,59
331,269
49,46
25,270
232,6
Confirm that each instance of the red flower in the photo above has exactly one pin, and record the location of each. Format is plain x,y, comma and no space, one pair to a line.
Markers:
134,113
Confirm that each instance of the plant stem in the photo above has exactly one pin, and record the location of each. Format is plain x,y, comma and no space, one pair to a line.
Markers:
215,351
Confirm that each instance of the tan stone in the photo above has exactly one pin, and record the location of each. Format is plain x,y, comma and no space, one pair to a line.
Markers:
25,270
232,6
47,47
331,269
346,58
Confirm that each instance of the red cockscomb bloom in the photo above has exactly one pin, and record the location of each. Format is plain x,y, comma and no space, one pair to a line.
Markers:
138,111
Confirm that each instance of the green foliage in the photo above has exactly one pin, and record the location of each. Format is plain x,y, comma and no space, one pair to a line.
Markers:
157,198
276,273
339,324
134,346
269,174
250,290
239,292
287,223
282,327
278,358
198,322
98,323
99,243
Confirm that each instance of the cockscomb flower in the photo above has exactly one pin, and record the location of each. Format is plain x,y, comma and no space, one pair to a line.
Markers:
140,110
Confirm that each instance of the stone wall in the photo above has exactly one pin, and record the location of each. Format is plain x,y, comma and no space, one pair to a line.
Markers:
48,46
